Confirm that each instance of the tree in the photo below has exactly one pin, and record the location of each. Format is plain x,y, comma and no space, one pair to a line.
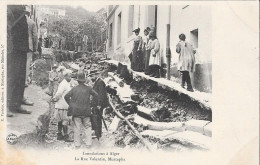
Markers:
78,21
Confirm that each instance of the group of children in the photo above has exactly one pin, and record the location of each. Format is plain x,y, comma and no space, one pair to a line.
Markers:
76,102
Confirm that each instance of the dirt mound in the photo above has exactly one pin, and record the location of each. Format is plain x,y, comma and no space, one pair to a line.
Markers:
41,72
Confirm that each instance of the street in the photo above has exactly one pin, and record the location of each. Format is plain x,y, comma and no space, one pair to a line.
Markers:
153,114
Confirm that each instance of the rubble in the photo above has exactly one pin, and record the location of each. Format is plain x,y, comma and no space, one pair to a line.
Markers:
143,114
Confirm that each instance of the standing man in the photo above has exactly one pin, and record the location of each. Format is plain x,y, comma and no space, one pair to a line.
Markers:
61,106
79,101
32,38
101,100
53,80
17,57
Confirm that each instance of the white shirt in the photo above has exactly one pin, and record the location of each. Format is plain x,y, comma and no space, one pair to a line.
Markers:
63,89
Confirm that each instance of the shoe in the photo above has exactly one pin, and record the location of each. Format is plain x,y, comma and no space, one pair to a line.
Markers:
59,136
157,75
9,115
26,85
19,110
26,102
67,138
152,75
190,89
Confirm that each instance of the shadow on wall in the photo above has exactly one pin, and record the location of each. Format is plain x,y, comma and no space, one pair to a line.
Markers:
201,78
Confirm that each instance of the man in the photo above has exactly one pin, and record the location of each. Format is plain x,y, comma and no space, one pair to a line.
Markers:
32,38
61,106
79,101
16,58
101,100
100,87
53,80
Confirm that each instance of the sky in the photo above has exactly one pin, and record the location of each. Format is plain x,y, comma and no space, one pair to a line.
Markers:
92,8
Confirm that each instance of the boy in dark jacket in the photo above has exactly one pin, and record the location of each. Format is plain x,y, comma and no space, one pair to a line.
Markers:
78,100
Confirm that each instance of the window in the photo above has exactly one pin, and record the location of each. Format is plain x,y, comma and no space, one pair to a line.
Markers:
131,20
194,34
110,34
119,29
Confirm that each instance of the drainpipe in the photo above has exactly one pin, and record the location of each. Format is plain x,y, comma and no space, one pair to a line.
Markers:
168,50
139,13
155,24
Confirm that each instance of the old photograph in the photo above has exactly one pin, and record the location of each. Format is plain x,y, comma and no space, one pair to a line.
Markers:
96,79
135,76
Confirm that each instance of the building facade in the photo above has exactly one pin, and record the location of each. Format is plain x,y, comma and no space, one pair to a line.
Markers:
193,21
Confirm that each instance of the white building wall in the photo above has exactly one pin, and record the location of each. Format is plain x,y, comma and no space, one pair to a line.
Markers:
182,20
162,21
186,20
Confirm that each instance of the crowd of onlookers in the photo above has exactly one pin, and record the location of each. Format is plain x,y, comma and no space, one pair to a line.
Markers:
145,56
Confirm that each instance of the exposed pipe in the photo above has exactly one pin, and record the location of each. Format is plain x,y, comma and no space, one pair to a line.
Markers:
168,49
139,13
155,20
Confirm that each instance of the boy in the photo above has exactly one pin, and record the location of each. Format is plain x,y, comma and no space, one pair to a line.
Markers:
79,102
53,80
61,106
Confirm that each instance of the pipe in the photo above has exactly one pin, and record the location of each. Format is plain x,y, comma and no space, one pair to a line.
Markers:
155,20
168,49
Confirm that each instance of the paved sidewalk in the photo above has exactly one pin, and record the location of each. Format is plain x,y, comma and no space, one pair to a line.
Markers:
203,98
24,123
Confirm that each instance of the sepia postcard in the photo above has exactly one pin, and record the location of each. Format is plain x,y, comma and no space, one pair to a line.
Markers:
129,82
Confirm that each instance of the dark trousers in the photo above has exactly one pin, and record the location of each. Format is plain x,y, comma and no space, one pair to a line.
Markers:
154,70
186,79
16,73
147,58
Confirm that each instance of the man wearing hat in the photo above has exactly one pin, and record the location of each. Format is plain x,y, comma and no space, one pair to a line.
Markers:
102,101
79,102
17,49
53,80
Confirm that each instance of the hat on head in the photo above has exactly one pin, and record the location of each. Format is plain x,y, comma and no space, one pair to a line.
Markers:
66,72
27,8
136,30
81,77
55,66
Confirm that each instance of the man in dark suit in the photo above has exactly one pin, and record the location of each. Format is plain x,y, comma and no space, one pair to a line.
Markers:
33,41
100,87
99,103
18,46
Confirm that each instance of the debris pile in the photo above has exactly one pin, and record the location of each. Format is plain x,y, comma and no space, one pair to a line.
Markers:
40,72
141,115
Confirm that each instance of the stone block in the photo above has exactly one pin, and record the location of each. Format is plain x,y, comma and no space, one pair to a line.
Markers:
196,125
208,130
192,139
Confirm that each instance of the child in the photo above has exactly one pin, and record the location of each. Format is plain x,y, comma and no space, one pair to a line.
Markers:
61,106
79,102
53,80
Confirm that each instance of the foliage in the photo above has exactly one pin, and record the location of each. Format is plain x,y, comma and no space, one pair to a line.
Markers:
78,21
